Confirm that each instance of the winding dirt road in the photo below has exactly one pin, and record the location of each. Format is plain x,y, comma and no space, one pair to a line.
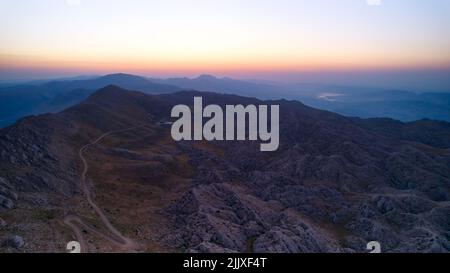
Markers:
74,221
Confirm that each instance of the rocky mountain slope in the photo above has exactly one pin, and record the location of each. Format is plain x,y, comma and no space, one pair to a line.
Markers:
332,186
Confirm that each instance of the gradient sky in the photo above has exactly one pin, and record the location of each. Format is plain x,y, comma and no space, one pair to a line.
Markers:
291,40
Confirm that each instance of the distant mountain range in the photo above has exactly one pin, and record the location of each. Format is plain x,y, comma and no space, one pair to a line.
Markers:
19,100
345,100
33,98
335,183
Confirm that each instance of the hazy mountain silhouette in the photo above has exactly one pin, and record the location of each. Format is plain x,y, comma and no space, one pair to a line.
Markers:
28,99
52,96
227,86
345,100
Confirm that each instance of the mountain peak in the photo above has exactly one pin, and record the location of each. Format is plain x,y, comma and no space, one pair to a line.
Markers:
206,77
108,92
121,76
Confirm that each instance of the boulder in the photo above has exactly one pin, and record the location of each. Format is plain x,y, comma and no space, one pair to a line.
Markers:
13,241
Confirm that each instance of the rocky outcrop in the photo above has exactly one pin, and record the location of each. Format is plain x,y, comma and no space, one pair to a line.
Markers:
219,217
13,242
6,194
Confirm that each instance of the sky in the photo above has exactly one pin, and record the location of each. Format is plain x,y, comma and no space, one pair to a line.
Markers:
397,43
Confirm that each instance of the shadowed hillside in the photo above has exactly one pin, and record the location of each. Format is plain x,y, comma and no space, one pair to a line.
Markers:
21,100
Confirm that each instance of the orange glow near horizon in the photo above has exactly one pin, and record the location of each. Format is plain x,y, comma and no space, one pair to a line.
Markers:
224,37
200,64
